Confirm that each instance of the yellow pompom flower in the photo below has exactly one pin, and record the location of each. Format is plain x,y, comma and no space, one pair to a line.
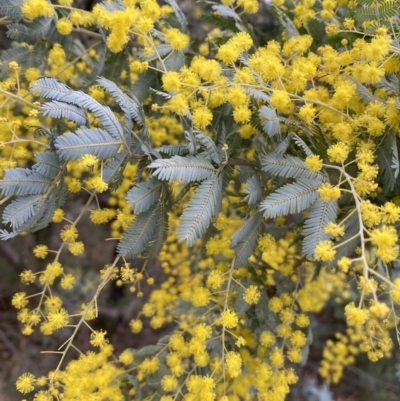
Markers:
19,300
215,279
338,153
267,338
229,319
126,357
68,281
32,9
25,383
202,116
354,315
275,304
176,39
69,234
97,184
169,383
344,264
328,192
98,338
58,319
281,101
58,216
313,163
324,251
298,339
76,248
64,26
276,358
241,114
171,81
40,251
334,230
200,297
252,295
233,364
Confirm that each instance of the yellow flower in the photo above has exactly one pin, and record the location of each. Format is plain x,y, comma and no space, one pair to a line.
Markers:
32,9
58,216
68,281
233,364
298,339
69,234
215,279
354,315
328,192
27,277
276,358
40,251
324,252
19,300
334,230
171,81
281,101
267,339
25,383
200,297
58,318
344,264
313,163
76,248
252,295
169,383
176,39
202,117
229,319
98,338
241,114
64,26
338,153
126,357
275,304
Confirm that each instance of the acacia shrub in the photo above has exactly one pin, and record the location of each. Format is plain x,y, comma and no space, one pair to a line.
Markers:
264,176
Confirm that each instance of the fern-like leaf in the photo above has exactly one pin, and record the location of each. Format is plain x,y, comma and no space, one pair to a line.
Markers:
37,30
113,170
56,109
144,195
48,164
382,12
271,124
138,234
211,150
50,88
129,105
319,215
160,234
180,16
21,210
55,90
301,144
174,61
96,141
244,240
173,150
23,181
254,190
185,169
11,9
291,198
257,94
289,167
201,209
